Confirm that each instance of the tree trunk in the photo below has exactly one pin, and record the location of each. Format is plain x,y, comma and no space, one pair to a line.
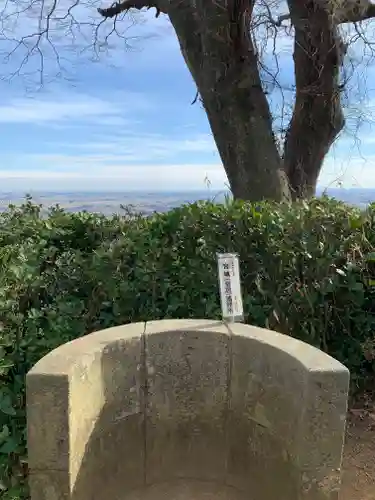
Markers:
224,66
241,125
317,117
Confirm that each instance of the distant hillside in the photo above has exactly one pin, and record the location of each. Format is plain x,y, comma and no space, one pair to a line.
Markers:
109,202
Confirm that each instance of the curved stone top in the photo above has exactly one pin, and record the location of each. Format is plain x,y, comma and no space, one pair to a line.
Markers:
64,358
144,404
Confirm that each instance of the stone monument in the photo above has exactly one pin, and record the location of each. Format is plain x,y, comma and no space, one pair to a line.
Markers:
186,410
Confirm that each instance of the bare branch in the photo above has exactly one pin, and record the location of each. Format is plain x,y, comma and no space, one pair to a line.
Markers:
356,11
195,98
119,7
39,35
276,22
281,19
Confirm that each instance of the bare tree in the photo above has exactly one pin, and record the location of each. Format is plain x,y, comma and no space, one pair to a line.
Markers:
218,40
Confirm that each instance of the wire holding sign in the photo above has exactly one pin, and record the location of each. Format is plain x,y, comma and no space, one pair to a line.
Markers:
230,287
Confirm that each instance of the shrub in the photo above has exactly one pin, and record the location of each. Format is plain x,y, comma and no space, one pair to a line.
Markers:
304,270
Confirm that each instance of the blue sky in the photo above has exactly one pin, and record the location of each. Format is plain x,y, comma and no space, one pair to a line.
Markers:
126,122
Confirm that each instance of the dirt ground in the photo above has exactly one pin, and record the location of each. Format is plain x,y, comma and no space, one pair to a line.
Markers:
359,456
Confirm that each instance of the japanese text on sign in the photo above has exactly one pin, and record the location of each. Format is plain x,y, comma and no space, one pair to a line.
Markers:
230,287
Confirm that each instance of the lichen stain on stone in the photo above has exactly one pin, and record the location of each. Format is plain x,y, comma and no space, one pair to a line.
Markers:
259,416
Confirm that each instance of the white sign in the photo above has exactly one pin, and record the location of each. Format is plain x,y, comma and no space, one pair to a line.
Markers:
230,287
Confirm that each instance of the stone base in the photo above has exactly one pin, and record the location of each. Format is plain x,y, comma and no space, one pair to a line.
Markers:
187,490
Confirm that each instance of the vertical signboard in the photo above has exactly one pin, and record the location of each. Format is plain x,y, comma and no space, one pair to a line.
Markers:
230,287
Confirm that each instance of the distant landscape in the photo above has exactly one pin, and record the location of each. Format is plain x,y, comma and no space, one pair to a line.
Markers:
109,203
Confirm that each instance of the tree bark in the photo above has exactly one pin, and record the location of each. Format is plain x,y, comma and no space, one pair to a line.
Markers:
317,117
220,54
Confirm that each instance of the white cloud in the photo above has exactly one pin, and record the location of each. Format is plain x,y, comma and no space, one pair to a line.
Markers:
154,161
115,173
148,146
356,171
104,177
114,148
72,106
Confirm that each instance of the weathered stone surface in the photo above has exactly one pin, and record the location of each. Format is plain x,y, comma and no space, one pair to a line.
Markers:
85,417
48,420
265,398
186,409
289,402
320,444
113,462
182,489
49,485
187,396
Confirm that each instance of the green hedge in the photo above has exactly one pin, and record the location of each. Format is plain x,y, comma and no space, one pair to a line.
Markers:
304,271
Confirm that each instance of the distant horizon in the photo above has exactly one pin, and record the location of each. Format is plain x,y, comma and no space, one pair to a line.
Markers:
148,201
156,191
